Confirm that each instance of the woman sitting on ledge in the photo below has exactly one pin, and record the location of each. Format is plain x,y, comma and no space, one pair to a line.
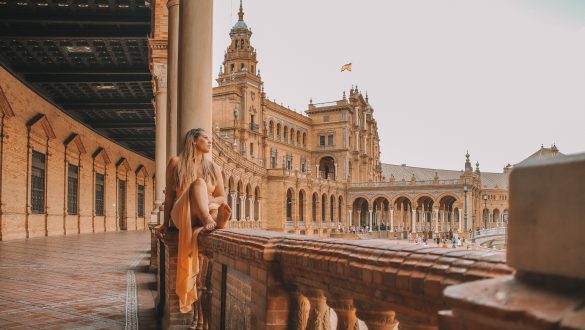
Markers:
194,201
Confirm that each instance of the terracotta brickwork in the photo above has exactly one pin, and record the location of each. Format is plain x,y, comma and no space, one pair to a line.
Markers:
37,125
288,273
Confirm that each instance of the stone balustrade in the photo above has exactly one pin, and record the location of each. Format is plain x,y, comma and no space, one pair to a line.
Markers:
274,280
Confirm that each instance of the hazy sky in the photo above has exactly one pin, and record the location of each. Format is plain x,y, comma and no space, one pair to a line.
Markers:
495,77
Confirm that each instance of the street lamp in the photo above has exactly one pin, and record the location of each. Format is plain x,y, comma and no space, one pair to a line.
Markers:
465,189
485,215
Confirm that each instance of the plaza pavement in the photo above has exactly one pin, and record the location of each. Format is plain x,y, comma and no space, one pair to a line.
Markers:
88,281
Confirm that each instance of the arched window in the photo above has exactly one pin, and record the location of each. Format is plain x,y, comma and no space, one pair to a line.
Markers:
331,208
304,139
314,208
289,205
271,129
323,207
285,134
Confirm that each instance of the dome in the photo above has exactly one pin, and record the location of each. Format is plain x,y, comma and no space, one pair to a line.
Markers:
240,25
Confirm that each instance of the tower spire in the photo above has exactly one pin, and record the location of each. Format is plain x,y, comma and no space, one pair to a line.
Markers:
241,12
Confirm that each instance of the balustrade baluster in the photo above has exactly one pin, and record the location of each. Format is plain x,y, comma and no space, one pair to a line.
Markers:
377,317
319,316
299,312
346,313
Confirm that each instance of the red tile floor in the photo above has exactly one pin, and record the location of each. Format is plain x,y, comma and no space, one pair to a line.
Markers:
88,281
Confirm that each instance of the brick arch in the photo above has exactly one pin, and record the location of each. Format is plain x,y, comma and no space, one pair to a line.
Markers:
405,196
421,195
387,197
450,194
354,198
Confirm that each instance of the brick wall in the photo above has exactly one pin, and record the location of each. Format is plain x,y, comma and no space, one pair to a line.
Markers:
52,132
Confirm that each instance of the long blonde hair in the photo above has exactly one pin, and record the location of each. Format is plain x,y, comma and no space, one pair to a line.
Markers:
186,174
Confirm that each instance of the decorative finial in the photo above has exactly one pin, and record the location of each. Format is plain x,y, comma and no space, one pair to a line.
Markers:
344,95
241,13
311,100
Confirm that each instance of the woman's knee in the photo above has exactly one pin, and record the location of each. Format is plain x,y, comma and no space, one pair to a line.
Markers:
198,183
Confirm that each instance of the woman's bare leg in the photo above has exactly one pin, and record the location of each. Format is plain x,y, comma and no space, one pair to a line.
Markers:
199,202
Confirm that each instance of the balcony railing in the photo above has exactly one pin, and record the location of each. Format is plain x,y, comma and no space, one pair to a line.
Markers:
406,183
271,276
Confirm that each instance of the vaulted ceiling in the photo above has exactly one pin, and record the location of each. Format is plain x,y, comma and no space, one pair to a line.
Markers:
88,57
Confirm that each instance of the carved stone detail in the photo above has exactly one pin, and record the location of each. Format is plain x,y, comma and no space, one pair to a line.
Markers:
159,77
300,309
378,319
319,316
346,314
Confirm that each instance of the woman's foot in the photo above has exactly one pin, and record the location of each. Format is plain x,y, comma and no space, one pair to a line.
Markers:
223,215
209,224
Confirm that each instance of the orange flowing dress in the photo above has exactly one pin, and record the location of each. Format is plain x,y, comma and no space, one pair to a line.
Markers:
188,252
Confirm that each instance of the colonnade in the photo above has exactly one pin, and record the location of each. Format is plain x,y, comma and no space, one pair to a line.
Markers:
183,86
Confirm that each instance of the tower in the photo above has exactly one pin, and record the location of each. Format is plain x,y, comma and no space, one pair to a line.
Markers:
240,61
238,97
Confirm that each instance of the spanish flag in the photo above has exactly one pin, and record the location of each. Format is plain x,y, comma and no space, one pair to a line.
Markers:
346,67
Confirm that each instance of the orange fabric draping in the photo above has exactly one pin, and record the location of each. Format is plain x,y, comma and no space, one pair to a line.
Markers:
188,251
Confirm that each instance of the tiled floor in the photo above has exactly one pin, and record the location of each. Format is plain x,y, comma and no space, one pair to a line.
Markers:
90,281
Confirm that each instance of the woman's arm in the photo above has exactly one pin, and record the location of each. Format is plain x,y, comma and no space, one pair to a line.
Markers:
170,189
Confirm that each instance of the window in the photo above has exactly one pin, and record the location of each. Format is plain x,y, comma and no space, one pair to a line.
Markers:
330,140
37,196
72,188
326,119
141,201
99,194
252,150
232,68
321,140
243,67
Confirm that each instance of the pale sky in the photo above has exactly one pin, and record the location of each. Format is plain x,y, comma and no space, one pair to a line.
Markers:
495,77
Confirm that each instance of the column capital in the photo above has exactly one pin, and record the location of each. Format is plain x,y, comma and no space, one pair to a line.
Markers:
159,78
172,3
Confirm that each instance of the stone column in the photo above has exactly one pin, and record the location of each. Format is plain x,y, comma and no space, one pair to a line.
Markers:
370,218
252,209
259,210
172,75
413,220
459,219
318,174
242,207
195,80
392,219
234,203
350,214
436,216
335,171
359,214
160,99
